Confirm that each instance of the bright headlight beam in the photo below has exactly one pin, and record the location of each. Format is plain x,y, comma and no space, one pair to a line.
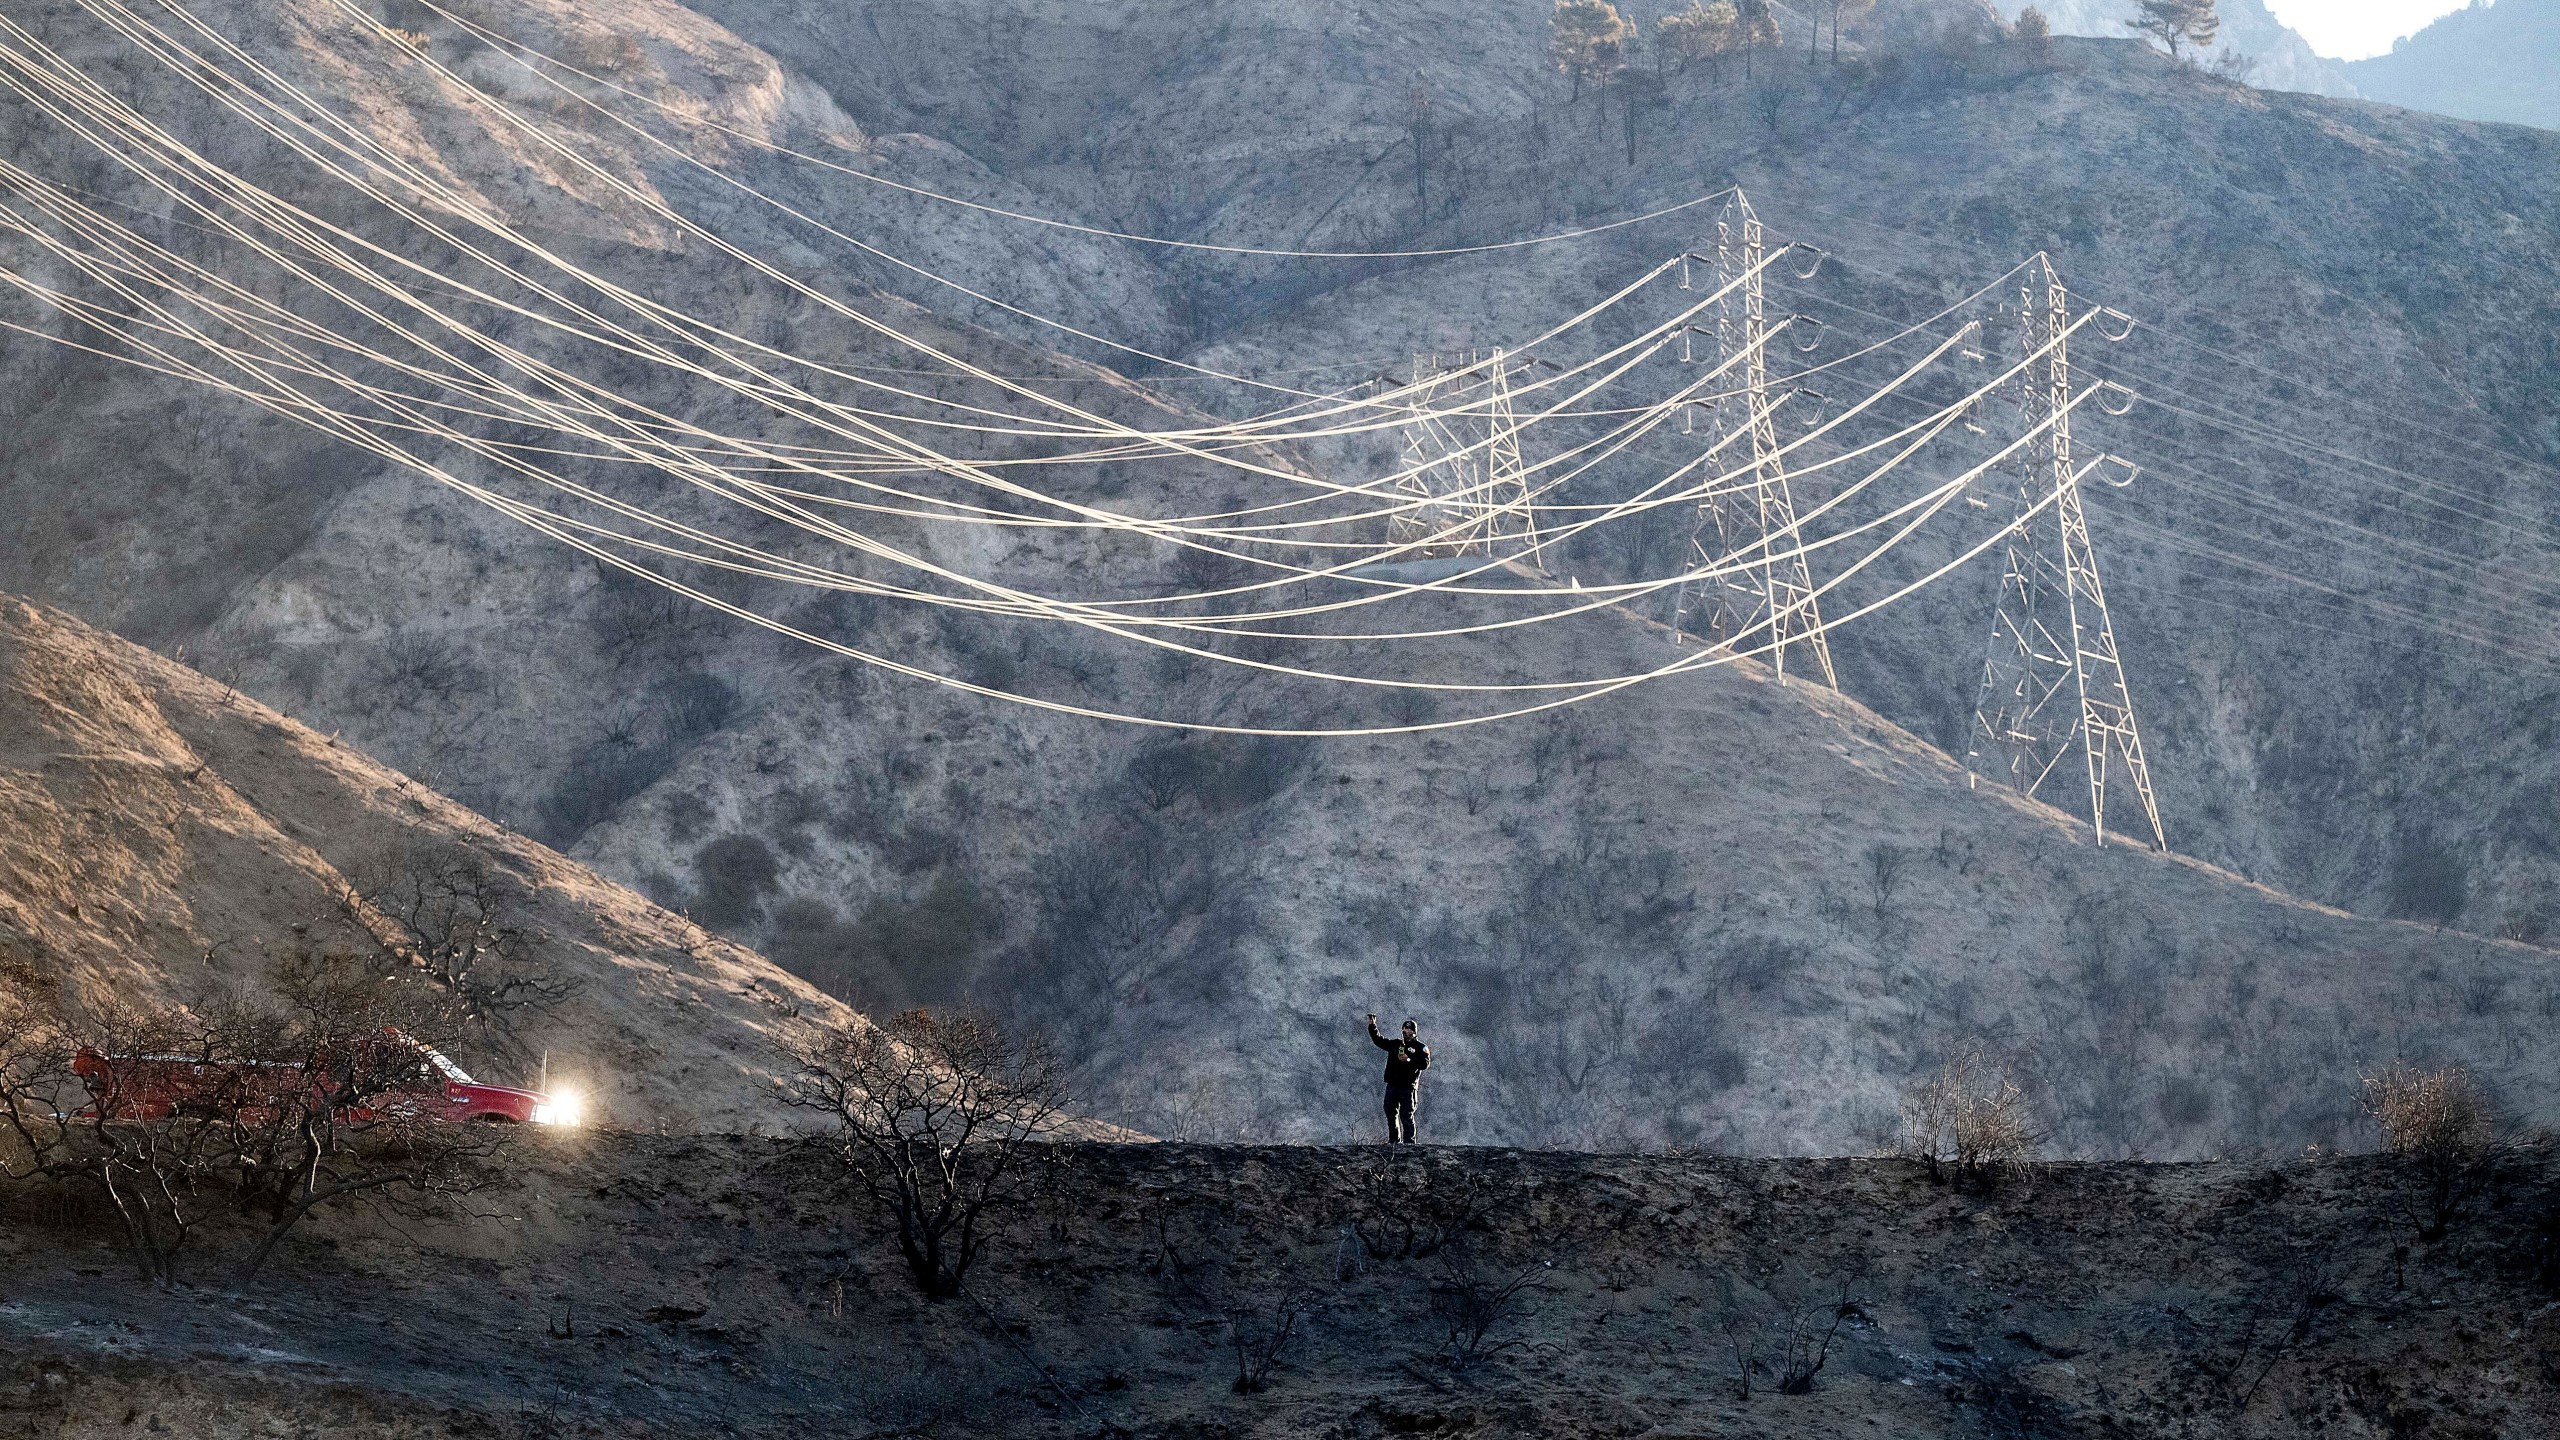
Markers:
565,1107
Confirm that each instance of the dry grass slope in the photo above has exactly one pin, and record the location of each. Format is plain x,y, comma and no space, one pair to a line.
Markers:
166,833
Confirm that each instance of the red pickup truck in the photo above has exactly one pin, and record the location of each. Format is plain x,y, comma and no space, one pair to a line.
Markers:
397,1071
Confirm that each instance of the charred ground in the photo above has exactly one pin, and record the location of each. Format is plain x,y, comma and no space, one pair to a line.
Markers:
631,1285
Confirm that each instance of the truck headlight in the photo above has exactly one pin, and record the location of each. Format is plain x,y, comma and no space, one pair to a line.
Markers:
563,1108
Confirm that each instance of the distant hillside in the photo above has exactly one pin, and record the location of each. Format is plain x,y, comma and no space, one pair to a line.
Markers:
2498,60
1715,910
2283,59
160,832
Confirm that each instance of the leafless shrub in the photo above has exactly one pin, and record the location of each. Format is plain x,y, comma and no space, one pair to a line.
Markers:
1775,99
424,666
1399,1216
594,50
2277,1317
2443,1125
1163,772
1115,911
1412,707
1472,1303
1786,1336
1804,1347
1548,750
1744,1331
1260,1339
692,707
1887,864
932,1116
1163,1258
1968,1121
2235,67
636,620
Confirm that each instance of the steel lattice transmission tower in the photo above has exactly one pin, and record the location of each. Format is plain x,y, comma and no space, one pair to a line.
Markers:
1754,523
2053,687
1464,464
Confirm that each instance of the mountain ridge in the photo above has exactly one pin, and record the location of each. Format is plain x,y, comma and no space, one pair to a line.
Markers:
2486,62
2266,51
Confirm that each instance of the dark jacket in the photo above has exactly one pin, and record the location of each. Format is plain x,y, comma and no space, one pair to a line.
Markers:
1406,1059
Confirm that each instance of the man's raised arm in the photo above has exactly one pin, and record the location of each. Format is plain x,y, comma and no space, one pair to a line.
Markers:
1381,1041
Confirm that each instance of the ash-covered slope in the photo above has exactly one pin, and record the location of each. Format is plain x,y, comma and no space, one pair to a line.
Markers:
2346,312
2266,238
640,1286
1710,910
164,833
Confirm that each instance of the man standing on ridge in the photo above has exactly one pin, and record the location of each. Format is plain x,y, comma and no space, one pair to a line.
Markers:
1407,1058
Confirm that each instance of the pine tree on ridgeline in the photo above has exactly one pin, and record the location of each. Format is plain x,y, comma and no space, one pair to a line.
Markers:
2177,22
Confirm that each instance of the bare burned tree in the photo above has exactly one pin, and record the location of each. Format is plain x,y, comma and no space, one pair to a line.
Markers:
81,1122
35,1081
448,918
356,1115
276,1102
932,1115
